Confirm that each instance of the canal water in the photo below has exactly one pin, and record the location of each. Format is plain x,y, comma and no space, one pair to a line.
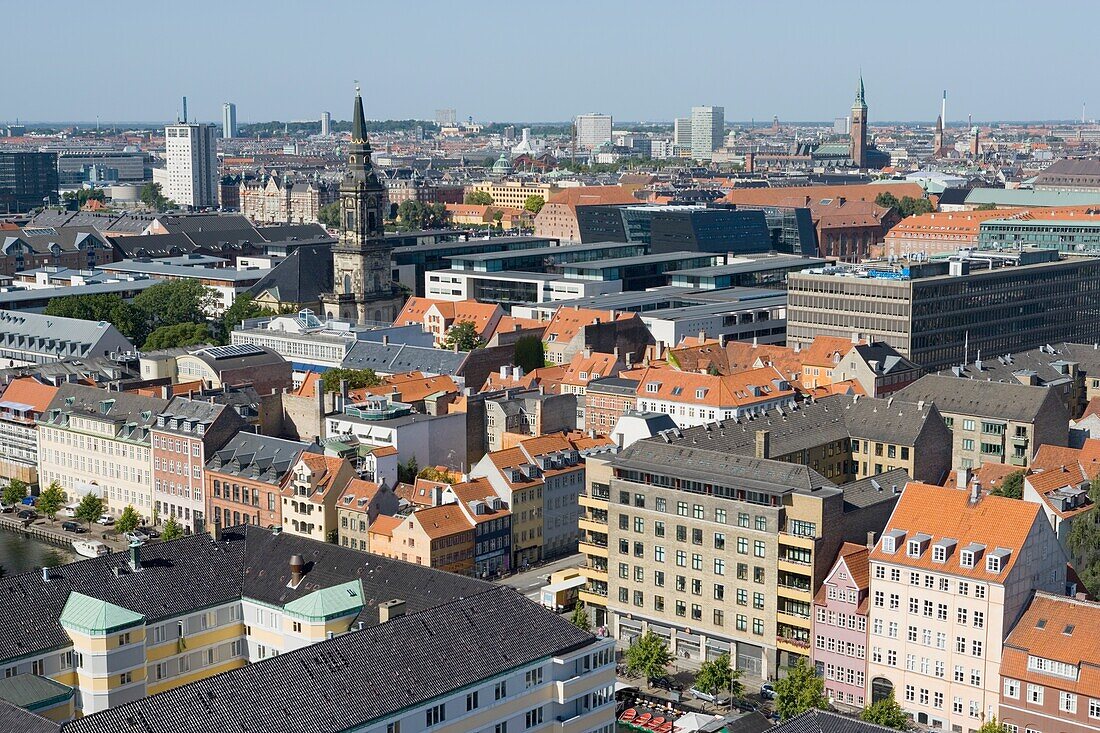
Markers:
19,553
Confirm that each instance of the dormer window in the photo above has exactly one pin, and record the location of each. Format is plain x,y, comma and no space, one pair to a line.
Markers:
939,553
966,558
653,387
892,540
584,375
700,393
912,549
993,564
971,554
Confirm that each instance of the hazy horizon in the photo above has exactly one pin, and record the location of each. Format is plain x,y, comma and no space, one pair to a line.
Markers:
639,61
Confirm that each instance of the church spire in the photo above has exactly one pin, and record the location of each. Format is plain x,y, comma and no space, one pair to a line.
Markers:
861,100
358,120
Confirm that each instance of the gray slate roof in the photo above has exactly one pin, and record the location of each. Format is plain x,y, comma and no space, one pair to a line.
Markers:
998,400
822,721
399,358
132,413
682,459
875,489
358,677
17,720
60,337
260,457
300,277
889,360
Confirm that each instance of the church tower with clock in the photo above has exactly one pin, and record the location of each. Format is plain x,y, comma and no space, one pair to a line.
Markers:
363,289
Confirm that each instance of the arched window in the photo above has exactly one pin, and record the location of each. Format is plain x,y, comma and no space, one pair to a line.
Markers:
881,688
347,284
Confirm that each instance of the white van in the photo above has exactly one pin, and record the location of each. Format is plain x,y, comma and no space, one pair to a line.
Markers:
70,510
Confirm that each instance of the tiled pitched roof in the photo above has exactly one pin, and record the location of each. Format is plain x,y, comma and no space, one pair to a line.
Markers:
411,386
983,399
400,663
593,196
357,495
740,389
568,322
29,391
442,521
16,719
823,721
385,525
947,513
1058,628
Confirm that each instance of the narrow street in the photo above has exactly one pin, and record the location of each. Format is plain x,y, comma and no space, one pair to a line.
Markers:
531,581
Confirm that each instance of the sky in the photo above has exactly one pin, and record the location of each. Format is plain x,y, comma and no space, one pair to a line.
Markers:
500,60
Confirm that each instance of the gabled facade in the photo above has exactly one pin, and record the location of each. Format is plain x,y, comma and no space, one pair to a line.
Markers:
311,496
840,628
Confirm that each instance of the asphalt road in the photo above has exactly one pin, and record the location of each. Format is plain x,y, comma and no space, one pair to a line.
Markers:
530,582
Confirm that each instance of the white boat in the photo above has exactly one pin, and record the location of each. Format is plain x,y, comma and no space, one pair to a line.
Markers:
90,548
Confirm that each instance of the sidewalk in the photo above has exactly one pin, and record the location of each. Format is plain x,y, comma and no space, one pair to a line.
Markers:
41,529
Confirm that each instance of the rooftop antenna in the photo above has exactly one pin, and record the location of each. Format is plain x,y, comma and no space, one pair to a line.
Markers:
1082,113
943,109
185,110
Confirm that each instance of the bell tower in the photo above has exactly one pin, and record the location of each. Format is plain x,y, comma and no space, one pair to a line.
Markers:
858,145
362,284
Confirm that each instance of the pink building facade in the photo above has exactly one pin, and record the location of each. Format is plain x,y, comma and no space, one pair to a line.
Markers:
839,632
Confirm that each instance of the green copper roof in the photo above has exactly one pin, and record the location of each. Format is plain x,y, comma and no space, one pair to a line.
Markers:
328,603
32,692
93,616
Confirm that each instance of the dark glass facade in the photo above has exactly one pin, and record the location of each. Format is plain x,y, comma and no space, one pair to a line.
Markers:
26,180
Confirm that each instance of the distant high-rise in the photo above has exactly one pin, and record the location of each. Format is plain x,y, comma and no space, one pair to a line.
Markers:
681,133
229,121
707,128
27,180
446,117
840,125
192,170
593,130
858,143
326,124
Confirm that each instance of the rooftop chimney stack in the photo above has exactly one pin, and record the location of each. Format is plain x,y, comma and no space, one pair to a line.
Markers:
135,556
216,531
297,570
389,610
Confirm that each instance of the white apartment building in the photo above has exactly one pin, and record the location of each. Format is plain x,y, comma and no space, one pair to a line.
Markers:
949,577
707,131
229,121
593,130
191,175
94,441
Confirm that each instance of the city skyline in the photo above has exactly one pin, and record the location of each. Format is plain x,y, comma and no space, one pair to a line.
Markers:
904,79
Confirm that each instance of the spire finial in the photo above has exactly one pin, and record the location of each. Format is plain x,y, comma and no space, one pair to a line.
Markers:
357,87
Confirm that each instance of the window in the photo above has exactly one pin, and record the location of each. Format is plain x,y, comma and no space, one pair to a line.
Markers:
500,690
533,677
762,524
976,677
758,626
1094,708
394,727
126,678
719,541
742,519
681,608
1067,702
658,529
758,548
681,533
660,505
696,561
471,700
697,511
682,508
435,715
659,553
979,619
1035,694
681,558
976,648
720,516
124,639
533,717
719,566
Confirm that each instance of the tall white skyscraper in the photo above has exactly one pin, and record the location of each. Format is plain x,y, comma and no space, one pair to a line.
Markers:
593,130
326,124
707,130
192,170
229,120
681,132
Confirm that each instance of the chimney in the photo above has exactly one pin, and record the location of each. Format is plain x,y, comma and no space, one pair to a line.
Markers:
962,478
702,335
344,388
763,443
297,570
975,490
216,531
166,391
135,556
871,540
45,575
389,610
385,340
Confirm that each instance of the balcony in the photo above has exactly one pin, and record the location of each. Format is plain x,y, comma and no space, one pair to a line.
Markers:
796,540
795,592
796,621
792,645
1017,460
589,525
592,547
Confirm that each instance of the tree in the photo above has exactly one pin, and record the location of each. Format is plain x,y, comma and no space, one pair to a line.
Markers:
579,617
498,220
128,520
177,301
1012,486
90,508
480,198
718,675
648,656
887,200
152,196
529,353
181,334
243,308
355,378
886,712
987,207
462,336
15,492
910,206
415,215
799,691
431,473
1083,542
111,308
85,195
172,530
408,471
329,215
51,500
992,726
534,203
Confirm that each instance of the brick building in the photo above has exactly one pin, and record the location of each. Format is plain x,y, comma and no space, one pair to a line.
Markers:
244,479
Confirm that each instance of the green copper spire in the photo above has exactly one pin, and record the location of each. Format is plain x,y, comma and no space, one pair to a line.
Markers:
861,101
358,120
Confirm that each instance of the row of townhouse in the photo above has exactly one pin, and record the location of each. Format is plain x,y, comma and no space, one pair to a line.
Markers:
948,612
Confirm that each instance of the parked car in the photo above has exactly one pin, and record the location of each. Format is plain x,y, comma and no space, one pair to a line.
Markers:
30,501
718,699
744,706
69,511
76,527
767,692
6,508
150,532
105,519
666,683
135,536
28,514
